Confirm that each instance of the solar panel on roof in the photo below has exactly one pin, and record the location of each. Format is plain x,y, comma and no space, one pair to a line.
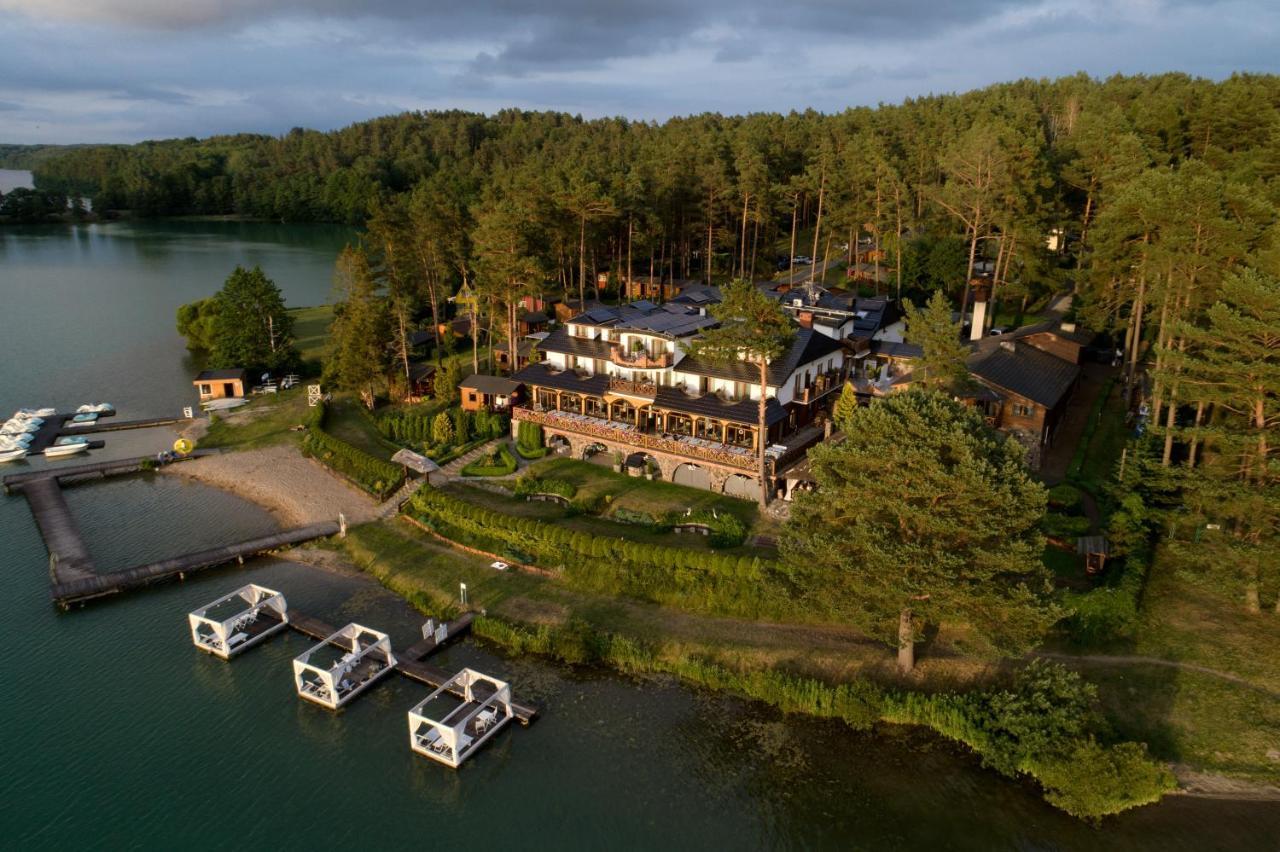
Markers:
600,314
643,305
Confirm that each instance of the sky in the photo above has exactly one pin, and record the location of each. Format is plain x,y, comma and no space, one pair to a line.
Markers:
128,70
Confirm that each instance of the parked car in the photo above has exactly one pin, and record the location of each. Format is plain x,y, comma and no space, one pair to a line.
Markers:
802,260
996,331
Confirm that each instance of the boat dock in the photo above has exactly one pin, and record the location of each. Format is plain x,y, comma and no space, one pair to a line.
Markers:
61,425
72,575
411,662
74,591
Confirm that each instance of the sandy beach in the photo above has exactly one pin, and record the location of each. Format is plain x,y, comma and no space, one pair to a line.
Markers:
294,488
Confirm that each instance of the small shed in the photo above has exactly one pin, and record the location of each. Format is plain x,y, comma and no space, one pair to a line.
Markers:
221,384
1095,549
415,462
422,379
492,392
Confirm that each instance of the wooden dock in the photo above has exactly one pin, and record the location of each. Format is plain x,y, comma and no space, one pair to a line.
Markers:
88,588
120,425
69,559
89,470
409,662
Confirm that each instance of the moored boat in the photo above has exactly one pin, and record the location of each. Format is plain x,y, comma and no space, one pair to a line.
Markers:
13,454
66,447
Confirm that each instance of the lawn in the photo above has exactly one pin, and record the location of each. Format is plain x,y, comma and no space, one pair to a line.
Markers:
268,419
346,421
562,516
311,330
638,494
1208,722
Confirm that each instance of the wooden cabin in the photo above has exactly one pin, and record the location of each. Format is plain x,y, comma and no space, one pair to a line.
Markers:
221,384
492,392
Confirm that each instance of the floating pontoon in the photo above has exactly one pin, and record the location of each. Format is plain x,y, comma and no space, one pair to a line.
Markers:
239,620
340,667
465,723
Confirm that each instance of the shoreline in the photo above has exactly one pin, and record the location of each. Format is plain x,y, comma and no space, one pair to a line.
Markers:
294,489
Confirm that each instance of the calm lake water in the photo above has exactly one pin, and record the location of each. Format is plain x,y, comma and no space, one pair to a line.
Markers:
118,734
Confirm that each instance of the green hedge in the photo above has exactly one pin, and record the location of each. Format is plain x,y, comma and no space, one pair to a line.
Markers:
1064,527
529,443
373,474
696,580
498,463
530,483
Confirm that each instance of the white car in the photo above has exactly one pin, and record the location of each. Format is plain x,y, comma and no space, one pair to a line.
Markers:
499,566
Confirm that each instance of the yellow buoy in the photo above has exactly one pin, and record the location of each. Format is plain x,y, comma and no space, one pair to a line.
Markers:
182,446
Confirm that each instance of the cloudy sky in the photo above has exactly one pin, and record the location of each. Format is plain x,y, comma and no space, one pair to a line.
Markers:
125,70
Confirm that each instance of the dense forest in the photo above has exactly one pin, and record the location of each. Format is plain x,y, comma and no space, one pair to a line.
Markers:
1154,199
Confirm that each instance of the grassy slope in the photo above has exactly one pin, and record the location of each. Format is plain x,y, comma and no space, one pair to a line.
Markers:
642,495
311,328
345,421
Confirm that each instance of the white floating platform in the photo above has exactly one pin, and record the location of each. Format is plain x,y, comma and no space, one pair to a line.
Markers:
238,621
464,724
357,657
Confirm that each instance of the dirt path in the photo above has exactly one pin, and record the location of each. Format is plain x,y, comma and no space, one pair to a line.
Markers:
1133,660
296,489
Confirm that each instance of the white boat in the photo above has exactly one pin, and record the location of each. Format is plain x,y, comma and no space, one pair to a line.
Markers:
86,419
95,408
66,447
19,427
12,455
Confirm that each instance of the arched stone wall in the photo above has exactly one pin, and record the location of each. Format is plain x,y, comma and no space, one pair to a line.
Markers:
692,475
740,485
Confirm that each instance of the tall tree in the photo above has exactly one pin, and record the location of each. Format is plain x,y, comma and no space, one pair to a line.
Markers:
251,326
923,516
753,328
358,333
942,366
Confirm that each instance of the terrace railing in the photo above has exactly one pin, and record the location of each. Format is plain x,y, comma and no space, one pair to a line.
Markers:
634,388
639,359
741,458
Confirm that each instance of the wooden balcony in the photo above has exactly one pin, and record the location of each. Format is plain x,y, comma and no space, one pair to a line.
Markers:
633,388
639,359
698,449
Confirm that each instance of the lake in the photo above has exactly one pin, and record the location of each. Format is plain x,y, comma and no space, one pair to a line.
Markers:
118,733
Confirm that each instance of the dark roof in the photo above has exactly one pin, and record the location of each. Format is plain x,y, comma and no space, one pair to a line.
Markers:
745,411
535,317
542,374
1079,335
670,320
421,337
698,294
489,384
1026,371
561,341
809,345
214,375
419,371
893,349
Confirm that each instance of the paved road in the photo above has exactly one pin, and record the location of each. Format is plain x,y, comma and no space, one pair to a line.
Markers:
802,273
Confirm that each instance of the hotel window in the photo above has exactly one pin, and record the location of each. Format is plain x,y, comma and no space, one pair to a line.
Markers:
206,390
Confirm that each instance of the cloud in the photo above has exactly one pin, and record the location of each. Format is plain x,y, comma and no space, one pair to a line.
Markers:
121,70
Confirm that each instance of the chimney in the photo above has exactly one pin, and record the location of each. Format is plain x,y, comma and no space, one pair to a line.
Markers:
981,293
826,429
1008,345
1068,327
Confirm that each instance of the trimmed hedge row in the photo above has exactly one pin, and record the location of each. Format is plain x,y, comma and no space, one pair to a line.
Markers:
529,442
697,580
373,474
498,463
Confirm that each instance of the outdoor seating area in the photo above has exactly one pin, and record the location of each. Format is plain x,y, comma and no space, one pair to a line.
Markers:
630,434
239,620
343,665
463,723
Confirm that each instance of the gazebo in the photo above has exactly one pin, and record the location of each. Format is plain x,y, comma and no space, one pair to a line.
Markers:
1095,549
343,665
464,723
238,620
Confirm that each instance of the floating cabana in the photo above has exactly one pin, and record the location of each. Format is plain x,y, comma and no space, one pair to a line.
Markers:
239,620
340,667
458,726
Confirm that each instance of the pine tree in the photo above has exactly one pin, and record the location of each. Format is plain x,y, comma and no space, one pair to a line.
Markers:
251,326
942,366
358,330
927,517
